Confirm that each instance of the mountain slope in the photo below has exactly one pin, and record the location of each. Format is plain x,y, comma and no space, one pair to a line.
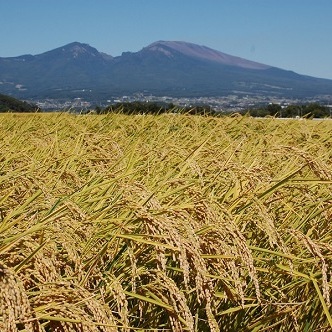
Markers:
163,68
202,53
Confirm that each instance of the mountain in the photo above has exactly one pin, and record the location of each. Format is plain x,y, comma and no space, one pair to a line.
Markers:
55,73
170,68
187,69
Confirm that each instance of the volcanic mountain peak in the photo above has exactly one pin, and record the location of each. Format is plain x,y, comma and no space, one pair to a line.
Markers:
203,53
77,49
73,50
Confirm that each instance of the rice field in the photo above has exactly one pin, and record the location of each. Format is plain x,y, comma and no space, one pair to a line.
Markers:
164,223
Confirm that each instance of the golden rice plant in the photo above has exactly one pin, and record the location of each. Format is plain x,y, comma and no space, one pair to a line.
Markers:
164,223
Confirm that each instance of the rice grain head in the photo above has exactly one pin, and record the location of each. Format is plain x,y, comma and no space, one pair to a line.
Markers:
15,307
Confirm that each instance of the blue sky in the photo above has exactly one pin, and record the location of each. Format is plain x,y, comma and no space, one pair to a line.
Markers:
290,34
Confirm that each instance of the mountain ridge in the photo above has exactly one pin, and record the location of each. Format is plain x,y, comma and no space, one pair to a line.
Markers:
173,68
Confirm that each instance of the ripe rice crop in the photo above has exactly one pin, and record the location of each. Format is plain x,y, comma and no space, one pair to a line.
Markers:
164,223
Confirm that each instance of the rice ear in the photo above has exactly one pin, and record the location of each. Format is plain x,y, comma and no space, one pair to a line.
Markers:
15,307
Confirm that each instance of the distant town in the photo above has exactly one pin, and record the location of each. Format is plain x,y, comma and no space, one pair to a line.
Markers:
230,103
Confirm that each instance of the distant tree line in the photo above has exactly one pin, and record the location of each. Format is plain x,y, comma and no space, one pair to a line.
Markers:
312,110
10,104
139,107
